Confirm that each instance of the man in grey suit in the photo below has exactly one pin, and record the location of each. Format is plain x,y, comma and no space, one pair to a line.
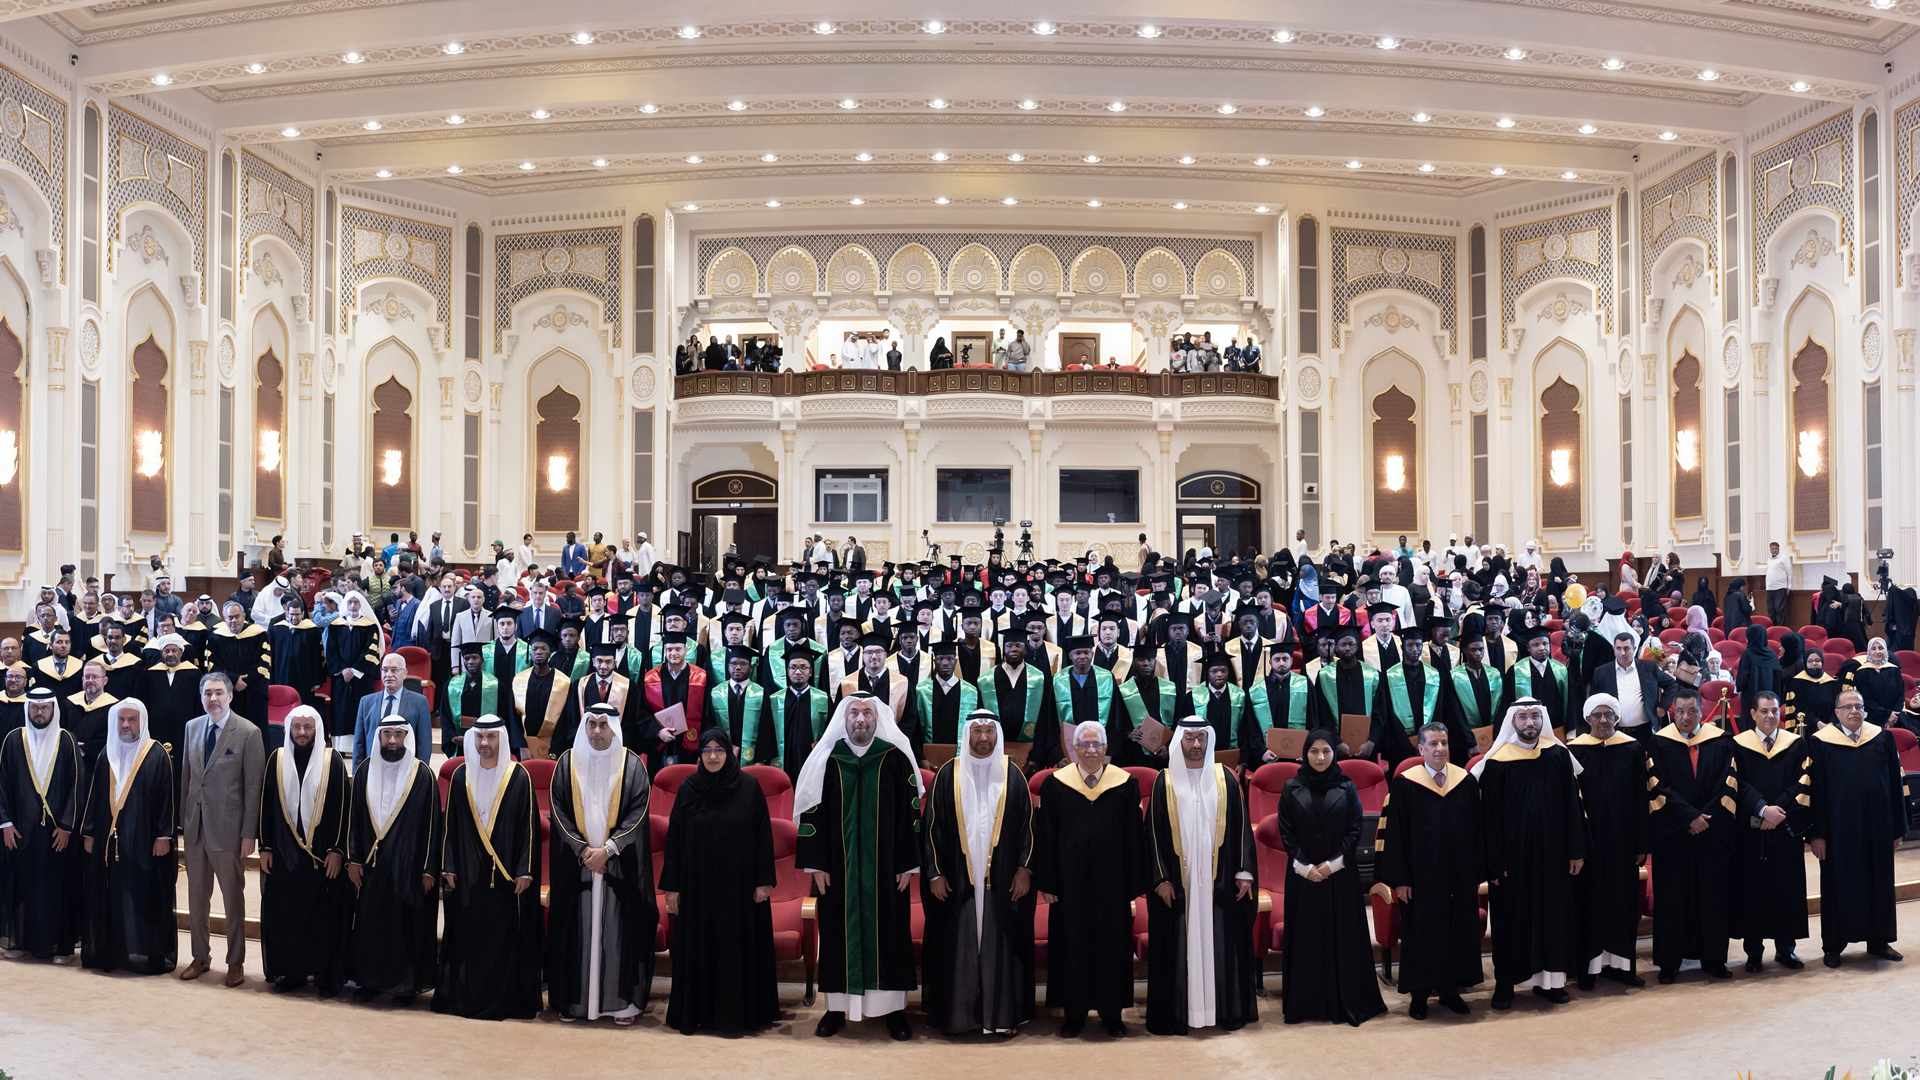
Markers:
393,699
224,760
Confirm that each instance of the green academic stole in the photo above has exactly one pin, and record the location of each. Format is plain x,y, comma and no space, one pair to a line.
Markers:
489,695
777,660
520,660
1330,686
1523,677
1035,682
1236,707
750,727
1463,692
859,843
923,693
756,699
1137,709
582,663
1402,705
1102,693
1296,703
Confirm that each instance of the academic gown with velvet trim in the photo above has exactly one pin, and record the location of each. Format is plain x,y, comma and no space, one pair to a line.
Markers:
171,702
305,915
1614,790
490,949
1769,865
130,890
717,853
1431,840
1535,827
1235,971
1859,810
1326,960
630,911
40,888
394,919
864,833
1088,852
977,979
1693,874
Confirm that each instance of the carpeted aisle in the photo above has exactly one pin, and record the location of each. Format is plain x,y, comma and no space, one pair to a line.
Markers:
59,1022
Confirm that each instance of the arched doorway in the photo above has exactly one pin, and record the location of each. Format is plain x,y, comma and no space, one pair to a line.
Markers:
734,513
1220,510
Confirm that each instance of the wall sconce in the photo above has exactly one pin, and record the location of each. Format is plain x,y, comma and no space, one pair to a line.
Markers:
1396,472
148,448
1686,450
557,473
9,457
1810,453
390,465
269,451
1560,467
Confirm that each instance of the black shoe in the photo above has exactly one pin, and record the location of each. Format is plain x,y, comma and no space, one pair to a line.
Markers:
1753,965
1668,975
1790,961
283,985
830,1024
1588,982
1417,1008
1454,1005
1503,997
1071,1028
1719,971
1116,1027
365,994
1622,976
402,1001
1884,952
1557,995
897,1026
1831,959
327,991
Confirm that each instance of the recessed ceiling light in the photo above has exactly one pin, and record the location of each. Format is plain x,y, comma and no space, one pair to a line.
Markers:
769,157
849,103
1504,122
583,37
1016,157
601,163
649,107
937,103
1260,209
353,58
1569,175
1353,164
1588,129
941,200
1262,162
935,26
1186,159
1709,75
1118,106
1095,203
1668,136
1498,171
162,79
1149,31
1229,110
384,173
824,28
1614,63
1091,159
456,118
1388,43
1426,167
1421,118
290,132
1516,53
453,48
863,156
1043,29
1315,110
1009,201
693,159
736,106
1883,5
1799,86
689,31
691,206
857,201
939,155
526,166
1179,206
256,68
455,169
773,203
539,114
372,125
1029,104
1283,36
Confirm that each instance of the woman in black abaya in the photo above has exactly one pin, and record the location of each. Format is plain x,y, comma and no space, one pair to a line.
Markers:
1326,959
718,878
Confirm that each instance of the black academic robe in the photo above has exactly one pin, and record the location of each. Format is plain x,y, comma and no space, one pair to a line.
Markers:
1431,840
977,978
172,698
864,914
490,952
1236,974
1326,960
1395,737
1881,688
1808,702
1089,853
1350,689
355,646
246,656
299,660
1121,749
130,891
631,914
1859,810
395,911
91,725
124,675
719,849
40,897
304,914
64,684
1614,789
1693,874
1534,828
1769,865
13,713
942,725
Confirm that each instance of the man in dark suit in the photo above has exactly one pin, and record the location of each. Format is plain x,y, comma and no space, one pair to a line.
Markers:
437,636
541,613
393,699
1644,691
224,760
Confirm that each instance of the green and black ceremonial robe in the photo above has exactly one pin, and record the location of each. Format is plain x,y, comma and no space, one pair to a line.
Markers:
864,833
304,914
735,711
941,711
1141,697
1769,865
466,700
790,730
1478,701
1225,712
1859,810
1556,691
1409,697
1022,709
1343,691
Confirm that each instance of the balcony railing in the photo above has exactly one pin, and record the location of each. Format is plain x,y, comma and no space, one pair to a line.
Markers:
1012,384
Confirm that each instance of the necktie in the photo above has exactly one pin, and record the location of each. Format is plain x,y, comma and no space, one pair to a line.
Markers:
387,710
1769,744
1693,754
213,736
603,690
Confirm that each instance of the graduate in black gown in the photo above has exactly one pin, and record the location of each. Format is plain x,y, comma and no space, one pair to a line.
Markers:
396,836
1696,809
718,878
599,828
490,948
976,888
41,810
306,902
171,691
1326,961
1536,847
1614,792
1769,865
1431,855
1090,862
1201,970
1859,818
132,867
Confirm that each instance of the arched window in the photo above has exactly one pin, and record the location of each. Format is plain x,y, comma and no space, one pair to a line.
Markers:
13,444
1686,437
1812,444
392,472
1396,471
152,438
1561,468
270,425
558,468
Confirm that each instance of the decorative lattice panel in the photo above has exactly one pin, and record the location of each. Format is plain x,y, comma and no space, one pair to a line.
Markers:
34,125
273,203
149,164
1369,259
1906,164
584,259
377,245
1005,246
1577,245
1813,168
1681,205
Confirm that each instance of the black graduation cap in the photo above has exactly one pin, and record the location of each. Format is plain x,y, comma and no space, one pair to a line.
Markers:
606,648
970,598
1077,641
734,596
792,614
876,639
1217,659
472,648
577,625
1529,633
1382,608
1613,605
672,611
804,651
946,648
742,652
673,637
1470,637
733,618
541,633
843,623
506,611
1412,630
1344,630
641,585
1112,617
763,560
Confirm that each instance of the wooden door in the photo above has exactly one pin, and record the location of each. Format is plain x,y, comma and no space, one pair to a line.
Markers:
1080,349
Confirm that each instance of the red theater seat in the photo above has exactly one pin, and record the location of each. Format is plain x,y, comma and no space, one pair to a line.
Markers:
1813,635
1264,787
1909,747
777,787
281,700
794,936
1271,855
540,771
666,787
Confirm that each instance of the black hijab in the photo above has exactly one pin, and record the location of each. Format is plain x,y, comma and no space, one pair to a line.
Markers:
1704,599
1793,658
704,788
1325,779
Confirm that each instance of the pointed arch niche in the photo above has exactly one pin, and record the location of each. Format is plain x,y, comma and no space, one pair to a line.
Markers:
269,414
1394,389
1560,372
1810,337
392,378
16,329
151,450
1685,346
558,386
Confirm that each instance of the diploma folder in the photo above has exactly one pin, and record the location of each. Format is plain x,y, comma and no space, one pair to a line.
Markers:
1287,744
1354,729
